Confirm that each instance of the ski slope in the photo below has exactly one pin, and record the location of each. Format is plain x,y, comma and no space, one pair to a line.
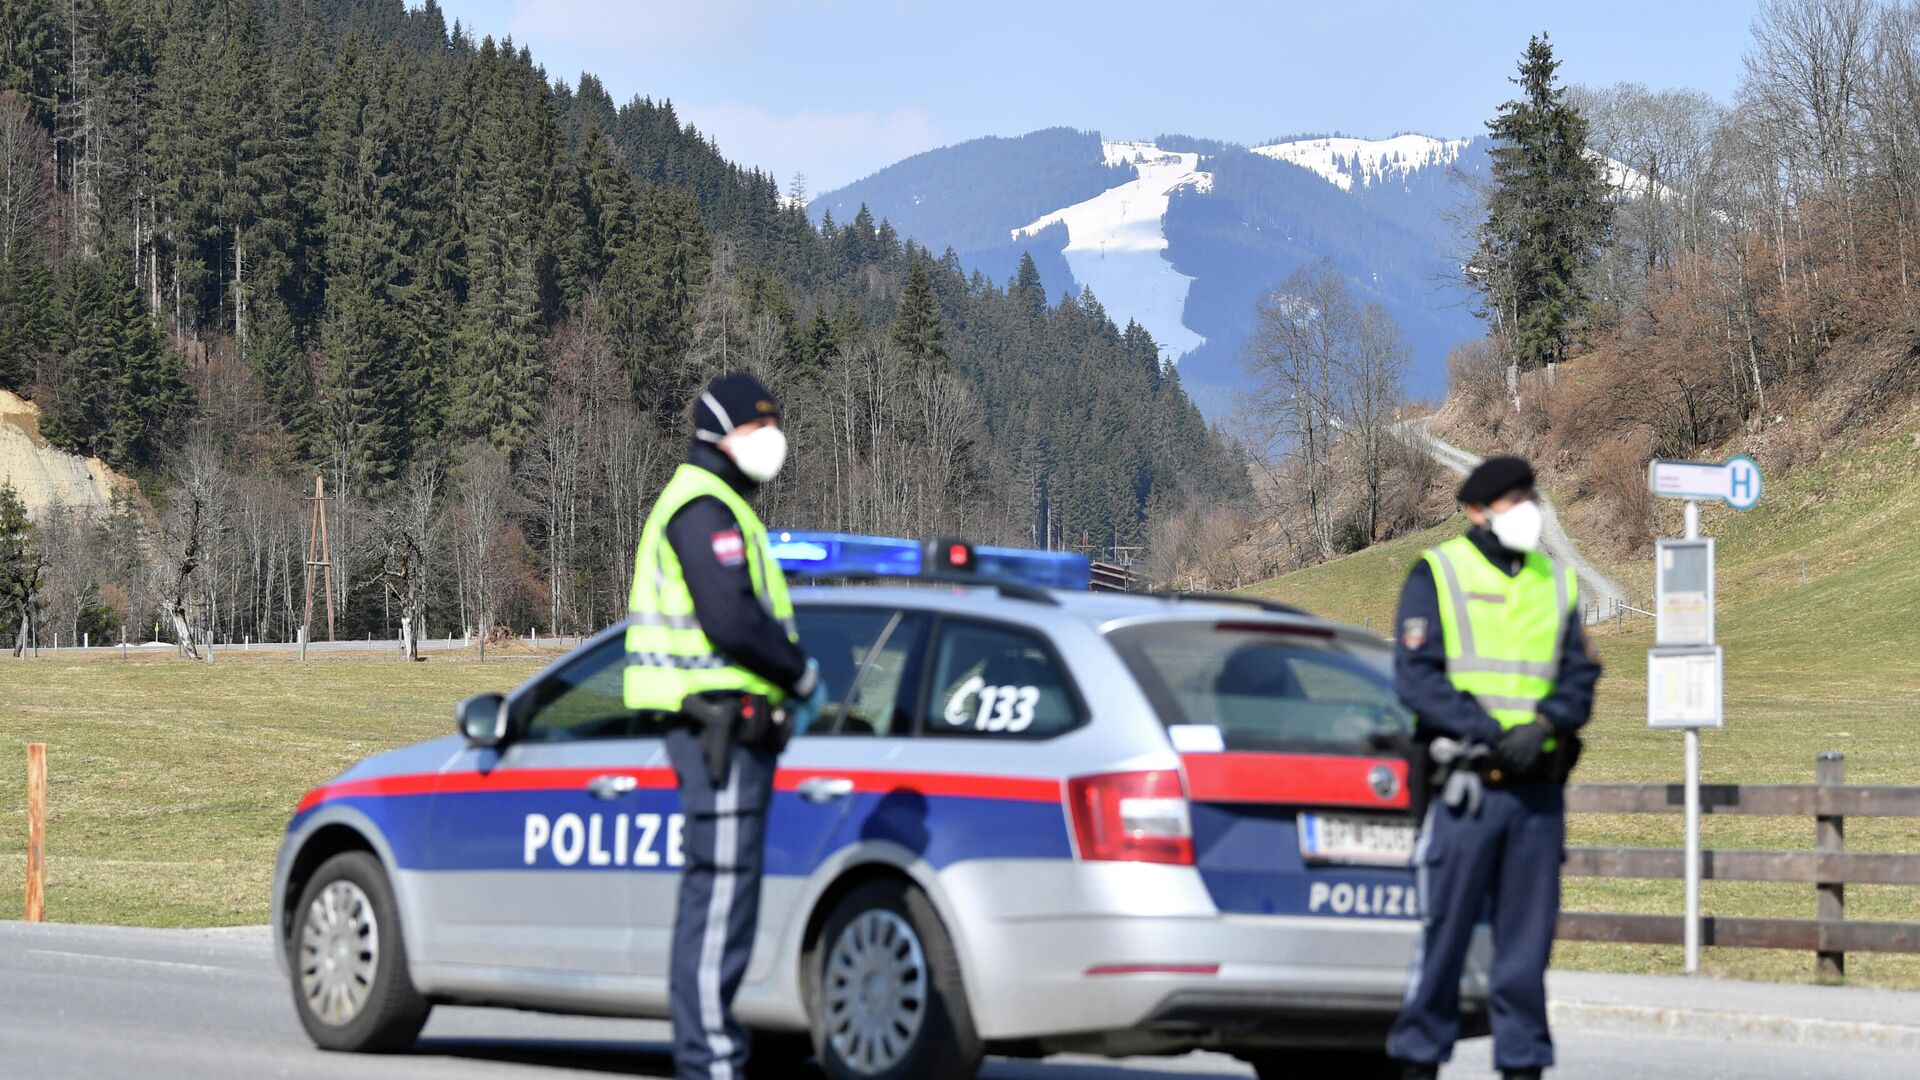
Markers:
1116,243
1341,161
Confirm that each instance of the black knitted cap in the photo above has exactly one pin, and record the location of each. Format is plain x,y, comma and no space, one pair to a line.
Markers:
1495,477
728,402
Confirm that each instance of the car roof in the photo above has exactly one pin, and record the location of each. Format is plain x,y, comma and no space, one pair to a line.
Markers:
1100,611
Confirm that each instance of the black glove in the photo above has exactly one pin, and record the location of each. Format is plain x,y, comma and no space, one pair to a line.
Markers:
1520,750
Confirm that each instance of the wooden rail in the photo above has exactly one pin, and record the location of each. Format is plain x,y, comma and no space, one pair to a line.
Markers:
1829,867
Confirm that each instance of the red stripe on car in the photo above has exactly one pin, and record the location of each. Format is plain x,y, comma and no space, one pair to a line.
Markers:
1292,779
961,785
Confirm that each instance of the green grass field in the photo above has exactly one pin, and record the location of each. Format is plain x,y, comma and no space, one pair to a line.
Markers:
1828,663
170,782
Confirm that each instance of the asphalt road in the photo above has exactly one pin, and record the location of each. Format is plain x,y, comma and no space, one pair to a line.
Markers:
89,1002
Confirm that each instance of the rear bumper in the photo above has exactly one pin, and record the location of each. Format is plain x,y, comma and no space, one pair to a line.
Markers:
1035,936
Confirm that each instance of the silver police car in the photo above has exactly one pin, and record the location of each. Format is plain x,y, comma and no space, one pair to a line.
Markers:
1037,820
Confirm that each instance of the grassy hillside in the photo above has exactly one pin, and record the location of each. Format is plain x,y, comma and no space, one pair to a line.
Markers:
1361,588
1828,662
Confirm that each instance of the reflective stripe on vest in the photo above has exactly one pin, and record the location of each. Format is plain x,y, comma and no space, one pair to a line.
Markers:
1502,633
669,656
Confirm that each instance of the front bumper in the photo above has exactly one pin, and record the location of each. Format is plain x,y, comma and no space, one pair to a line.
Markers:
1036,936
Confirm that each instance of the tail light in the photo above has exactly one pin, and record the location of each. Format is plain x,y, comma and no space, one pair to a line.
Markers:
1131,817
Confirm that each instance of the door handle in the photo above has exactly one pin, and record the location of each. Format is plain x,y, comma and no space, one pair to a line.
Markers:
825,789
611,787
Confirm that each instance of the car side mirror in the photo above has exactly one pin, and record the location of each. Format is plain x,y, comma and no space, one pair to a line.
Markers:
482,718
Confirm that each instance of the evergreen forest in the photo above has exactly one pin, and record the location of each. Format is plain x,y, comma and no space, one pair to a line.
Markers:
245,242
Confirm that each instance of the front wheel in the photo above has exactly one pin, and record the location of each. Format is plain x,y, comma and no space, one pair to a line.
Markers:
349,960
1308,1064
885,993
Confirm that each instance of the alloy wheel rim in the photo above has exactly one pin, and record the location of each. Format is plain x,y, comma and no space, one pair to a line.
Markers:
875,991
339,953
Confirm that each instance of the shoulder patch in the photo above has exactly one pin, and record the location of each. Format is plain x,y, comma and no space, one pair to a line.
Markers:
1413,632
729,548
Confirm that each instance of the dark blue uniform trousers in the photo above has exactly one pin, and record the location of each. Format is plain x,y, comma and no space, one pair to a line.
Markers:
1505,859
724,843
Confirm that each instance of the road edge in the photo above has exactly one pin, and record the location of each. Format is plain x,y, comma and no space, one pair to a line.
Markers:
1596,1018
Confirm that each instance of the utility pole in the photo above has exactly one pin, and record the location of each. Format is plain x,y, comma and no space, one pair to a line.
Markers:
319,554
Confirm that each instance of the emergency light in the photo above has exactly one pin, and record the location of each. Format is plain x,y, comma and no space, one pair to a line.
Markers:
820,554
823,554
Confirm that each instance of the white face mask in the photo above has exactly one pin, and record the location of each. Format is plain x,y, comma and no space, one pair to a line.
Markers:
759,453
1518,526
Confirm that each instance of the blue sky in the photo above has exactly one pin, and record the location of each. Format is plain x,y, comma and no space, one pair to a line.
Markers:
839,88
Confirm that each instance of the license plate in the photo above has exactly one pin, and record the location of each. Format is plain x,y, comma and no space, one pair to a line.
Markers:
1329,838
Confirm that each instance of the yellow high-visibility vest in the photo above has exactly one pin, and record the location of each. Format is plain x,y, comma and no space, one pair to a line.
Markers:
1502,633
668,655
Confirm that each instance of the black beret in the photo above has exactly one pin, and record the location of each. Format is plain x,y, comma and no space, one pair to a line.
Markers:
1495,477
728,402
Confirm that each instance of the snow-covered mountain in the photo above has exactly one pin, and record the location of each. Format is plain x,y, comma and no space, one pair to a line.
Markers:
1117,241
1183,235
1344,161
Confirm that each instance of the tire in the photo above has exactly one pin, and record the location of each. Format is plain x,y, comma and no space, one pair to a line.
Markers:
348,960
884,992
1313,1063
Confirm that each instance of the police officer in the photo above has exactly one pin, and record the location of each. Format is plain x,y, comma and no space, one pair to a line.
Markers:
1492,659
710,637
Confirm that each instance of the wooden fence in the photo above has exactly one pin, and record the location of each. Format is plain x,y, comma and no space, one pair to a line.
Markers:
1828,867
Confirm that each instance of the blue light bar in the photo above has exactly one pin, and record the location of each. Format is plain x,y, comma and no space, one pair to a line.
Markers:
1047,569
822,554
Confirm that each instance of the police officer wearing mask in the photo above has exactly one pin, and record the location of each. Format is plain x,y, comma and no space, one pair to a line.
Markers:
1492,659
710,637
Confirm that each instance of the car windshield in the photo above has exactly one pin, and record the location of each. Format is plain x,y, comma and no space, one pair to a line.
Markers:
1265,687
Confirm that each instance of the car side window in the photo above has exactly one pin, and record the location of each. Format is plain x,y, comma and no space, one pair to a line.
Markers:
585,700
873,647
998,682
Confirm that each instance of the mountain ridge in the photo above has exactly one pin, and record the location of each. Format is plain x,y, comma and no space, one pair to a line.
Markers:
1183,234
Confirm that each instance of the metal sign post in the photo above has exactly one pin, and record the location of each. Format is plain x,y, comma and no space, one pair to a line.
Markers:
1686,671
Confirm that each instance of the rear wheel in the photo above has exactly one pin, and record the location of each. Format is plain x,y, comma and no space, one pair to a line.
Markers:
349,960
885,995
1310,1064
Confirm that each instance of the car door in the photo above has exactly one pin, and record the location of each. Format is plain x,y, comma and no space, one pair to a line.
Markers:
869,657
538,848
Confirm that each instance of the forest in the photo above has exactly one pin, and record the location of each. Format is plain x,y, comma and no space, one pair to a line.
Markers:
248,242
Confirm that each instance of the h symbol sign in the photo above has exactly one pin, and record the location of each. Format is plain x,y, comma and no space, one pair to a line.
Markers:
1743,483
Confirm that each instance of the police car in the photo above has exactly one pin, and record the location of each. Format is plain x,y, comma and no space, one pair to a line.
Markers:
1037,819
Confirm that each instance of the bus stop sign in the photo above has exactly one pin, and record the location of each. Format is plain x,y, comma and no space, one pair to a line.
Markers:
1735,482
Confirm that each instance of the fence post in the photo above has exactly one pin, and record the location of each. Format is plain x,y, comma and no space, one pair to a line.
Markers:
1830,834
36,910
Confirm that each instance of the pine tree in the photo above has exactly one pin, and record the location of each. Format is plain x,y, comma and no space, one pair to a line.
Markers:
365,425
26,289
30,55
497,374
21,564
150,398
917,327
80,369
1027,291
1546,217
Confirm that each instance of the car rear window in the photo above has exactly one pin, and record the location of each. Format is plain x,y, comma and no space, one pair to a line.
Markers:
1266,688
